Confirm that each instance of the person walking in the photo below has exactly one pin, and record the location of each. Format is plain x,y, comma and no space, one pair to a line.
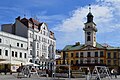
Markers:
19,70
115,73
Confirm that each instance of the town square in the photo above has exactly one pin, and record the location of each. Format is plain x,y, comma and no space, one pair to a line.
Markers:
60,40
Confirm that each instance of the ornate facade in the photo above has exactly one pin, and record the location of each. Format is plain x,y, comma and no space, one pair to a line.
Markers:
91,53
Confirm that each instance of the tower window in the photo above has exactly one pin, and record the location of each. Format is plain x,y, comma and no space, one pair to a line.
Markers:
88,33
88,38
88,26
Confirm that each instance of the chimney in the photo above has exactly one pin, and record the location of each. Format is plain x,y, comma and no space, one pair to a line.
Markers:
77,43
18,18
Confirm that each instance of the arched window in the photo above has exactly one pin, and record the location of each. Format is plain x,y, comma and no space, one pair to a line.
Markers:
88,38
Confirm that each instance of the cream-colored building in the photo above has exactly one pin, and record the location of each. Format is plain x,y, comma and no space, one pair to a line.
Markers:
91,53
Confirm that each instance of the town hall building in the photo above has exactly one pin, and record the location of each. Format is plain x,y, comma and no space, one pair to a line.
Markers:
91,53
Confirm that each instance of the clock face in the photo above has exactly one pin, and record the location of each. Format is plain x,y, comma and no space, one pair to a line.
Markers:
88,33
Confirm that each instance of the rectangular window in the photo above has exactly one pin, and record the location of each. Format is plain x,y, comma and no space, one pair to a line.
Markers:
101,61
71,62
96,54
0,40
12,53
15,54
71,54
37,53
115,62
81,54
96,61
30,52
21,45
43,32
31,44
20,55
31,35
25,55
6,52
39,38
18,44
88,54
81,61
77,55
0,51
76,61
108,55
37,45
56,62
114,55
42,39
36,36
109,62
101,54
66,55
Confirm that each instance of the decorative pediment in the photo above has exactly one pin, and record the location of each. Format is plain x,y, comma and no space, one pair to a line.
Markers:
89,47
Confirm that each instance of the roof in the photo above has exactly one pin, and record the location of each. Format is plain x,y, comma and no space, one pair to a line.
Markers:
73,47
34,21
79,47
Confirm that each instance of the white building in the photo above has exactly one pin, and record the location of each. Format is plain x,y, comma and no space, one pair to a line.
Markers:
13,49
41,41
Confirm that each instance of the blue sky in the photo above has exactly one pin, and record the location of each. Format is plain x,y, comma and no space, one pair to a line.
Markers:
66,18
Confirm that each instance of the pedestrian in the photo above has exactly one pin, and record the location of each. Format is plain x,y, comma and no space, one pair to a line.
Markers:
86,73
112,72
19,70
115,73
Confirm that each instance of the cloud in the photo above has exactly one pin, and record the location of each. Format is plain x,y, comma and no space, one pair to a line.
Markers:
75,22
106,16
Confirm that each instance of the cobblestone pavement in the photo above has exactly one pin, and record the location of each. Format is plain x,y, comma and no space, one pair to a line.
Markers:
14,77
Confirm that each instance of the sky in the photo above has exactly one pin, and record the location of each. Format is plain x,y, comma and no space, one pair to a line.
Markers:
66,18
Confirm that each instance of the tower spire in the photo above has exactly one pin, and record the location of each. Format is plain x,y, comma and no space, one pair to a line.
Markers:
89,8
89,16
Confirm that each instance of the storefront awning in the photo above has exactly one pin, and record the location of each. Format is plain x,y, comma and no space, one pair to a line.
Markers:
11,62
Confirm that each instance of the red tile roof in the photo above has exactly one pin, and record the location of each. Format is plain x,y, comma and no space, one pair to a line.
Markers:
34,21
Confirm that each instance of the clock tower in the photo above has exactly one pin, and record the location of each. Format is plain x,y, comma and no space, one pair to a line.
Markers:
90,30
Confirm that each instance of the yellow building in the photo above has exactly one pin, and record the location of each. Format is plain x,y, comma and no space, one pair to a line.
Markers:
91,53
